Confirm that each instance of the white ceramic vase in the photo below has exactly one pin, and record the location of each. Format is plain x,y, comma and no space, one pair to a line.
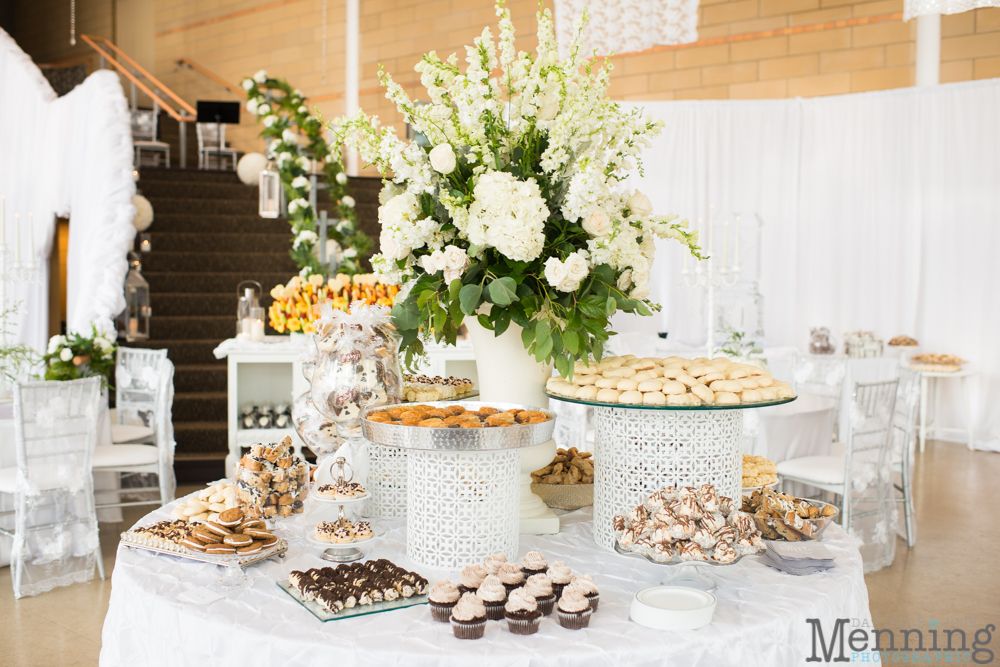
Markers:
508,374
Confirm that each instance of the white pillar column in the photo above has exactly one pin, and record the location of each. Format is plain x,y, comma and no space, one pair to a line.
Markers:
928,50
352,74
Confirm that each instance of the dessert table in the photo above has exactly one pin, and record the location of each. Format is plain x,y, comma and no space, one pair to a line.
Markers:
760,618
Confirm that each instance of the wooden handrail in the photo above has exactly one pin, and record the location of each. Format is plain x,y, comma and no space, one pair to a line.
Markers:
92,42
211,75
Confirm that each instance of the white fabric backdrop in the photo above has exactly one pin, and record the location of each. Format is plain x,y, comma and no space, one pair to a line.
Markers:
915,8
68,156
879,212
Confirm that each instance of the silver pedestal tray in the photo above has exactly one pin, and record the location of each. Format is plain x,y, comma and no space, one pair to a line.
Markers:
685,572
345,552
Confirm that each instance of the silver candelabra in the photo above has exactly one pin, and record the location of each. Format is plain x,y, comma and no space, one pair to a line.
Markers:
705,275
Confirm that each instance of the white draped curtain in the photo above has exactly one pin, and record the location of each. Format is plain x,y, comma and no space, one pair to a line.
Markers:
69,156
880,213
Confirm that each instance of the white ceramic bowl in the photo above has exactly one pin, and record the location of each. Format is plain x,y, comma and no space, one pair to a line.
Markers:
672,608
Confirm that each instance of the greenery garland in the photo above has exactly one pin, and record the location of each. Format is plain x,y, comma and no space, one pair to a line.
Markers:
280,108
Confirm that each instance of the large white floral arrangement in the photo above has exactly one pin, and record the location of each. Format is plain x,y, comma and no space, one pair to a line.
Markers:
517,202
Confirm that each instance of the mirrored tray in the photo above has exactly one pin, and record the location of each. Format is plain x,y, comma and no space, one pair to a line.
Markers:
459,439
637,406
168,548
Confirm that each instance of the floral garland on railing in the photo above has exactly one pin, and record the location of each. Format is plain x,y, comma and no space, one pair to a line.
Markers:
280,108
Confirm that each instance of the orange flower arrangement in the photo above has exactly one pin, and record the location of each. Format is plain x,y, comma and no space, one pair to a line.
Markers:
296,305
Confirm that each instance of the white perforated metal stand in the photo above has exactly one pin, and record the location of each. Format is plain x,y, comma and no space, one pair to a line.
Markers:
637,452
462,507
387,482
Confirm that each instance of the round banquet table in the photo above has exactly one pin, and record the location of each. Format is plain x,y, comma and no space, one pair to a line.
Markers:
802,428
760,618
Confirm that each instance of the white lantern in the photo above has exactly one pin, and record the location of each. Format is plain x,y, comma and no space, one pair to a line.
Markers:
270,193
137,311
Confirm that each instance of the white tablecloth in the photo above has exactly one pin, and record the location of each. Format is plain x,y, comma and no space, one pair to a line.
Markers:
760,618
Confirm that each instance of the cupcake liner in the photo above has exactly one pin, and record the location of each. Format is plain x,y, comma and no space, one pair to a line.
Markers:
594,600
462,590
513,587
523,625
574,621
528,573
558,589
494,610
546,604
441,611
468,629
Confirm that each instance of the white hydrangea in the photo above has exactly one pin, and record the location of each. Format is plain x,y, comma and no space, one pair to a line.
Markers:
301,183
260,76
509,215
297,204
289,137
247,84
252,105
55,343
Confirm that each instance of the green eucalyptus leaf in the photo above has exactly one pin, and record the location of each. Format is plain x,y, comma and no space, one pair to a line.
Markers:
503,290
469,297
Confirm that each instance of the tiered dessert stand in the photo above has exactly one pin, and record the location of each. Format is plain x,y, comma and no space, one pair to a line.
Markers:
348,551
639,449
462,486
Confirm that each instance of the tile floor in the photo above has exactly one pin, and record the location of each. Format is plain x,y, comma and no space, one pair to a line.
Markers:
945,578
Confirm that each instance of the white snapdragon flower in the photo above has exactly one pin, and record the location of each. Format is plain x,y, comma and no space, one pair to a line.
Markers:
301,183
55,343
297,204
260,76
341,178
305,236
350,253
263,109
597,222
66,354
443,158
269,121
639,205
247,84
289,137
388,191
549,103
508,215
387,270
348,201
252,105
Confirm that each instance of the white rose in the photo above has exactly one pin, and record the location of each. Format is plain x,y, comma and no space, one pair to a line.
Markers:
625,280
443,158
597,222
555,272
576,268
270,120
301,182
302,109
348,201
640,293
297,204
640,278
350,253
263,109
247,84
260,76
56,342
438,260
303,162
102,343
639,205
391,249
455,258
305,236
344,226
252,106
450,275
66,354
289,137
427,264
342,178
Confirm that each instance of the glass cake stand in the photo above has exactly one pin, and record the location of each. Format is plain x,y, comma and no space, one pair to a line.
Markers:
685,572
640,449
342,552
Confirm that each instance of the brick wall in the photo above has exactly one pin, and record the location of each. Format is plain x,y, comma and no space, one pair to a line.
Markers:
818,56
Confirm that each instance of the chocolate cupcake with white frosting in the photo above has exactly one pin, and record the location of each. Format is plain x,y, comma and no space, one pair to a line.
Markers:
573,610
540,588
471,578
522,613
534,563
560,575
585,585
493,594
468,617
493,563
442,598
511,576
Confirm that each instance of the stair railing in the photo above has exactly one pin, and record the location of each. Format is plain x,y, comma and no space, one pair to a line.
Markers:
132,71
204,71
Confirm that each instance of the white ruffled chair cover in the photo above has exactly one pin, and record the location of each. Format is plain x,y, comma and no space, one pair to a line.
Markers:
904,444
144,396
822,375
869,503
55,535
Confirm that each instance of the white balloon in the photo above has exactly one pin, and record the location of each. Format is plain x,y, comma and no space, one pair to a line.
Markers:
143,213
249,168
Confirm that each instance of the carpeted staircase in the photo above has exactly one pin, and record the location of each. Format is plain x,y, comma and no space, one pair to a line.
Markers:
206,238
